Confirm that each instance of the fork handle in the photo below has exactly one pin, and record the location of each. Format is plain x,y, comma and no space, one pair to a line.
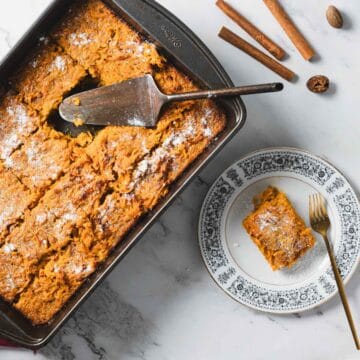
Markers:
341,288
241,90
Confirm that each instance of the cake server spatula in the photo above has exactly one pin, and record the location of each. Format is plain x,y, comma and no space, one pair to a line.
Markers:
137,102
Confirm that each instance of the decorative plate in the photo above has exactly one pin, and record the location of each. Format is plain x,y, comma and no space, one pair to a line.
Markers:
234,261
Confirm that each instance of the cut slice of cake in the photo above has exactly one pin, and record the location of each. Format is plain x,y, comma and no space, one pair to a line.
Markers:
277,230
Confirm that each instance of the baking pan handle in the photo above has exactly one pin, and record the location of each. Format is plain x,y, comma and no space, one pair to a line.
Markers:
169,32
11,332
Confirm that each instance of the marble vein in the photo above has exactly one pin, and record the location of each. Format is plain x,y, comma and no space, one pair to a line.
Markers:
104,316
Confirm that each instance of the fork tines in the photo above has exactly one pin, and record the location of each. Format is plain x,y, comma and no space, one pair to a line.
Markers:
317,208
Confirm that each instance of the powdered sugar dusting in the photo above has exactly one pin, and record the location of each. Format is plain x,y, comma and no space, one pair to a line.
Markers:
77,269
70,216
46,167
9,144
278,228
8,162
129,196
144,146
20,124
208,132
44,39
59,63
6,214
32,155
267,220
139,49
76,265
81,269
18,114
41,218
207,113
8,248
61,223
134,46
34,63
150,164
80,39
178,138
107,208
135,121
10,284
143,166
62,216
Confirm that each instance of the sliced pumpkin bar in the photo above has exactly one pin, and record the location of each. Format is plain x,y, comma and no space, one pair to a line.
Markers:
277,230
46,77
201,125
14,201
57,280
42,159
15,272
17,122
116,148
45,296
112,221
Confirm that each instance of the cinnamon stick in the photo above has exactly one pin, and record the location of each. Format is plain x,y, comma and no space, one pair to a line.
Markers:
251,50
251,29
291,30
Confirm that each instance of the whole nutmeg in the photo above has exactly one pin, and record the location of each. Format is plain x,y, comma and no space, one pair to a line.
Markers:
318,83
334,17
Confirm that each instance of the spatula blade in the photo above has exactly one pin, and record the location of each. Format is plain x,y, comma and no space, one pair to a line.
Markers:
134,102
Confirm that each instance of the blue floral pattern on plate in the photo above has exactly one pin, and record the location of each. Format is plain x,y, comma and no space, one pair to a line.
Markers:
284,162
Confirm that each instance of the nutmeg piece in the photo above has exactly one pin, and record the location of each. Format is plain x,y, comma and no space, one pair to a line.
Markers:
334,17
318,83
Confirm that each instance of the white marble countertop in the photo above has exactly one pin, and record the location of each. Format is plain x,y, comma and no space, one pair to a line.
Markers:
160,302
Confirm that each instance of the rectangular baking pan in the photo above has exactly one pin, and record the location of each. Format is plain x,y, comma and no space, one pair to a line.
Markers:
185,50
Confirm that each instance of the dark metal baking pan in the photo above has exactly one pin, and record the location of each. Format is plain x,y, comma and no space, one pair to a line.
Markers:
186,51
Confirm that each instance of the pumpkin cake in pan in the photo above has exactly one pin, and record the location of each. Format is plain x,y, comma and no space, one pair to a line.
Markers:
68,201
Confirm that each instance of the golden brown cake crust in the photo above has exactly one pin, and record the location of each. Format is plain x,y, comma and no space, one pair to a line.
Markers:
77,198
278,231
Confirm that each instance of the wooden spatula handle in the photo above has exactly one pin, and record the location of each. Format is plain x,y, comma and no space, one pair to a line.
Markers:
241,90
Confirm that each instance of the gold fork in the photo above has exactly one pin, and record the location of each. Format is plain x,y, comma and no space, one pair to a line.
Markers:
320,223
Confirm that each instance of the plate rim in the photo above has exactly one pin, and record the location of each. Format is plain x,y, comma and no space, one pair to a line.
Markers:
232,296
